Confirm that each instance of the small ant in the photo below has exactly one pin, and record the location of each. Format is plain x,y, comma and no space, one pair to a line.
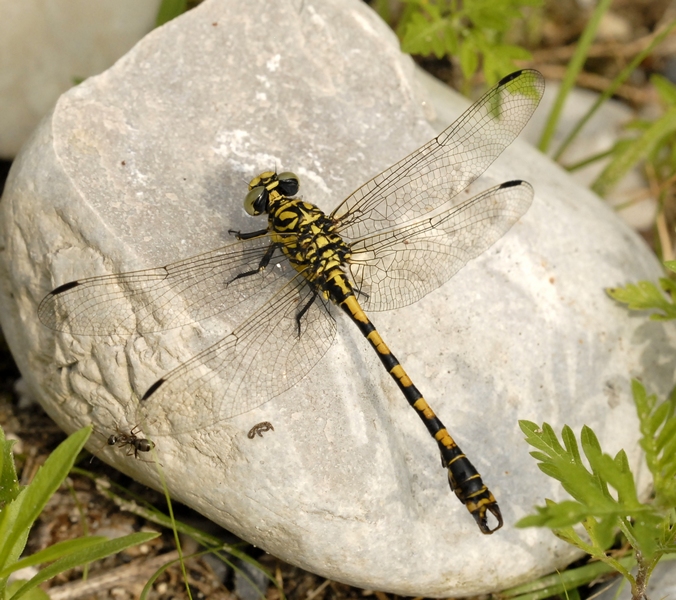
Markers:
131,439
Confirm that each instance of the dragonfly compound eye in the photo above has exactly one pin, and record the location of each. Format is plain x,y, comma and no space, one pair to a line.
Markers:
256,201
288,184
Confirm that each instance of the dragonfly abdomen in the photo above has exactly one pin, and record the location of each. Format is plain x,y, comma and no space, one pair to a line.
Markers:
463,477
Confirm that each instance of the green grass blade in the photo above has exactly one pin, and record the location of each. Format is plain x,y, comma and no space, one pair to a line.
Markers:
574,68
613,87
9,482
84,556
632,153
558,583
52,553
19,516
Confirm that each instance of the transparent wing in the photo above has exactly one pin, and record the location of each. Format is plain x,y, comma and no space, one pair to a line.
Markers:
398,267
260,359
166,297
446,165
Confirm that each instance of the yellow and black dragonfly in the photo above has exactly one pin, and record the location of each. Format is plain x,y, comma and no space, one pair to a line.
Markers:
395,239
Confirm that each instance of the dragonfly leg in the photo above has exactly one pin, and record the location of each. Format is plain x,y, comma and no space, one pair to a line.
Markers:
265,261
303,310
247,236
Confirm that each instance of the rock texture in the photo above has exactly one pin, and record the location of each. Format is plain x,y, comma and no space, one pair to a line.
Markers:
146,164
46,47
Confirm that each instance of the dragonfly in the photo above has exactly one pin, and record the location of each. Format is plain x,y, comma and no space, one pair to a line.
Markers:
391,242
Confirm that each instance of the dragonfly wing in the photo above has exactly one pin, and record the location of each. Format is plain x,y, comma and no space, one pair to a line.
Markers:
260,359
435,173
166,297
398,267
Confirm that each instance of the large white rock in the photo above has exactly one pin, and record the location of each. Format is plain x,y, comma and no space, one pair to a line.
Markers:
147,163
48,45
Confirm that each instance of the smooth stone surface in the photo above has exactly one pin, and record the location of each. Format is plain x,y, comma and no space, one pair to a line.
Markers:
147,163
45,46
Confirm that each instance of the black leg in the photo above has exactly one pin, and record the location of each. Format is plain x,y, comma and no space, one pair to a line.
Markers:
303,310
247,236
261,265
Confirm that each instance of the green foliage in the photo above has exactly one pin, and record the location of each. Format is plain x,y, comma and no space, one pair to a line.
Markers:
20,506
654,142
593,504
170,9
645,295
658,440
604,493
212,544
563,584
470,30
574,67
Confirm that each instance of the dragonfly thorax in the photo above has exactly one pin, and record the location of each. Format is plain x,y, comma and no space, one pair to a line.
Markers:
303,232
306,235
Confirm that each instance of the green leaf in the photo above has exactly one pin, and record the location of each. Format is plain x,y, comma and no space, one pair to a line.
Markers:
426,36
638,150
565,465
52,553
571,444
542,438
36,594
665,89
9,482
490,14
555,515
658,440
469,57
84,556
666,439
644,296
472,31
170,9
668,286
18,517
649,530
602,531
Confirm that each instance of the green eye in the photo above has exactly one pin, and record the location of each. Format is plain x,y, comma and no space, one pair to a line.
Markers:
256,201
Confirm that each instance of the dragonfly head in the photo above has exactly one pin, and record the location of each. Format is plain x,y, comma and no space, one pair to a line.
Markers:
269,186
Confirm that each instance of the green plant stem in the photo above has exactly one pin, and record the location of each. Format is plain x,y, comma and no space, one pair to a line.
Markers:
635,152
574,68
612,88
